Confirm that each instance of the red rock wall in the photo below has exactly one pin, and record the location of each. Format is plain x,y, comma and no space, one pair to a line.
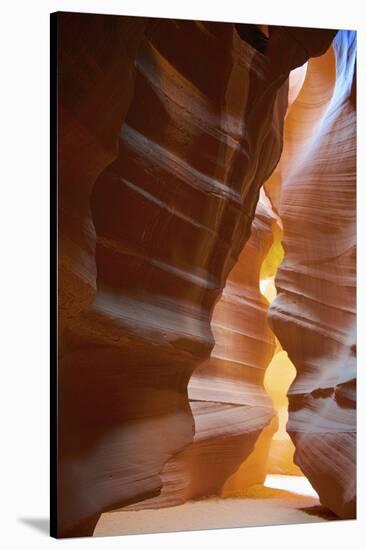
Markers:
229,405
95,60
234,374
95,66
314,312
171,214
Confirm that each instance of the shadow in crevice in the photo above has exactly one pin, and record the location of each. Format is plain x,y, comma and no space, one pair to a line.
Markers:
254,36
320,511
41,525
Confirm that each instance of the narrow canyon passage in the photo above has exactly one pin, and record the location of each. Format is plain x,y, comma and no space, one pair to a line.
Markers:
278,378
284,497
283,473
268,488
207,363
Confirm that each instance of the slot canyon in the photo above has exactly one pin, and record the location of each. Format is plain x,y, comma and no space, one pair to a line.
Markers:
206,274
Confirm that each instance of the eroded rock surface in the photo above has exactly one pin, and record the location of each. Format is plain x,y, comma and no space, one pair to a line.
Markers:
314,313
199,132
95,64
229,405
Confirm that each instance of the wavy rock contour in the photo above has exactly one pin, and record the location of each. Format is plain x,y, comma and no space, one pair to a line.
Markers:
171,214
314,312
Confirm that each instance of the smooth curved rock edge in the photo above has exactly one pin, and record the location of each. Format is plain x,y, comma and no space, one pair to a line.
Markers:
314,314
161,220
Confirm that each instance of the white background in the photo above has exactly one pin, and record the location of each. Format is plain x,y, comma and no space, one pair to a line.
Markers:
24,269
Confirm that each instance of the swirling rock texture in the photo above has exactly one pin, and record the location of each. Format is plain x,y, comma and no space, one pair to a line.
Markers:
314,312
95,59
229,405
200,130
95,70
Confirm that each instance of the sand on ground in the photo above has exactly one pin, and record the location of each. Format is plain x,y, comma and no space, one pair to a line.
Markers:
282,500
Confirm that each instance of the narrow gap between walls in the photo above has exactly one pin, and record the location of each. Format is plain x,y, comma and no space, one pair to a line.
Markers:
282,472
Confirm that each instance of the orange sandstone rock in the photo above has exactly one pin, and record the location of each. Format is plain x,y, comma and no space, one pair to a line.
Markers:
199,133
314,312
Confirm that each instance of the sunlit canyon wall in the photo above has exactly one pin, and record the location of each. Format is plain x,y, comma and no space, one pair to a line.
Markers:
314,314
229,405
168,130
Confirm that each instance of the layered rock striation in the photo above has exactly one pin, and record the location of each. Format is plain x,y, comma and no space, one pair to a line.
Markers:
314,312
168,212
95,69
229,405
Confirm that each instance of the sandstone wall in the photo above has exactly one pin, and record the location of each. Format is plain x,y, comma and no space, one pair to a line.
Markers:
314,312
151,224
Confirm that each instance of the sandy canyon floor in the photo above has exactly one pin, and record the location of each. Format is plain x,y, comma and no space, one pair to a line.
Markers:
282,500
